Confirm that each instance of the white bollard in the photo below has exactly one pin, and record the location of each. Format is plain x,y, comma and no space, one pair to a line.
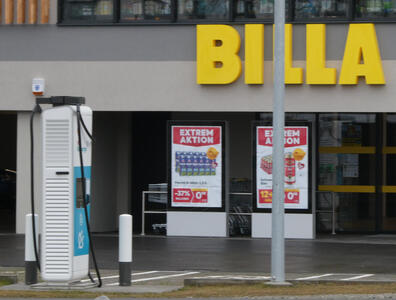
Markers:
30,257
125,249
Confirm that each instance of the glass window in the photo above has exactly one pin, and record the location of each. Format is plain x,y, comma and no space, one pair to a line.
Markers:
337,130
314,9
88,10
375,8
155,10
203,9
354,212
256,9
347,149
346,169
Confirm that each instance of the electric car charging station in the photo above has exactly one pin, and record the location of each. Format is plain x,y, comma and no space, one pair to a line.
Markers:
65,244
66,175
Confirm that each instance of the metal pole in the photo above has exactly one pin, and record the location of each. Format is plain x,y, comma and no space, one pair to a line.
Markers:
333,212
278,204
143,213
125,249
30,258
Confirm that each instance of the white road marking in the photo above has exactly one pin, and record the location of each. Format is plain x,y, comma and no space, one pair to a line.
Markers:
314,277
158,277
358,277
116,276
144,273
241,277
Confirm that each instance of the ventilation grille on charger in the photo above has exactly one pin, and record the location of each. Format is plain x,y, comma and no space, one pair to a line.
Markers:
57,227
57,143
57,193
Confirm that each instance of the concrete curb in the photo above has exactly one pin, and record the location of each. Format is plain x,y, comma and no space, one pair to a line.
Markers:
213,281
210,282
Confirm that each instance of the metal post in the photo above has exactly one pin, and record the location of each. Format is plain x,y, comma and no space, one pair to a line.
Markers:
143,213
278,205
30,258
334,213
125,249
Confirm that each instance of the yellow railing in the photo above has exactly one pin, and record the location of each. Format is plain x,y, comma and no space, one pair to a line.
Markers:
347,188
356,188
347,150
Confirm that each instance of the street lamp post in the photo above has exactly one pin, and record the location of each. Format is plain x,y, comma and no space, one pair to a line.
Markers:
278,204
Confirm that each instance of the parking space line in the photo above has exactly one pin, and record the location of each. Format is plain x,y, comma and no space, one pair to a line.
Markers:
236,277
116,276
158,277
314,277
358,277
145,273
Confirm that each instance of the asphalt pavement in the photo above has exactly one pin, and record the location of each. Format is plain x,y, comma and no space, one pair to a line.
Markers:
363,254
167,263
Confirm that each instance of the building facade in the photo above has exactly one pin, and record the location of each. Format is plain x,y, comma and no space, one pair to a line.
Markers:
137,63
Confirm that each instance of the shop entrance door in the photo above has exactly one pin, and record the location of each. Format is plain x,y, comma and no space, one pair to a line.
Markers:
348,167
387,197
357,163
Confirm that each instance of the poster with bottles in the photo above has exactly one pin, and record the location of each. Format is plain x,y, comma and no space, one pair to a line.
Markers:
196,166
296,167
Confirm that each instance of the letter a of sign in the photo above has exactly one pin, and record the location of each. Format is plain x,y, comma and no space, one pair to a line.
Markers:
362,56
217,54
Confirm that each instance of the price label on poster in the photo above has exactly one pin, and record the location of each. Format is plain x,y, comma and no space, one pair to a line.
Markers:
296,167
196,162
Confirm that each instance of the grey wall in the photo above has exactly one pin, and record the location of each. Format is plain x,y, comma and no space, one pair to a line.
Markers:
152,68
170,86
23,205
152,43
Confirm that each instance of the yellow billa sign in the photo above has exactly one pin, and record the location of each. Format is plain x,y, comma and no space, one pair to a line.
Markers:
218,61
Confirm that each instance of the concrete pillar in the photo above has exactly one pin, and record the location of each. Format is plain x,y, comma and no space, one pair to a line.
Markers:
23,206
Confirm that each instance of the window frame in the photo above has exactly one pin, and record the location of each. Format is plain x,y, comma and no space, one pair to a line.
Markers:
232,19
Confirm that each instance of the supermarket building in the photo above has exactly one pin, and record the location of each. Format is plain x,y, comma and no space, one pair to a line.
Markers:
137,77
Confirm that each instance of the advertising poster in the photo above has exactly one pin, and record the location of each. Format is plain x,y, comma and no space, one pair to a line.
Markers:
196,162
296,167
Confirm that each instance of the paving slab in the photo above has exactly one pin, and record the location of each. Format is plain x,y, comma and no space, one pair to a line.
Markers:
156,289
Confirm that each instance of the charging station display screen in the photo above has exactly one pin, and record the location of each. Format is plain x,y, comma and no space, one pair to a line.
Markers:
79,193
296,167
196,162
81,238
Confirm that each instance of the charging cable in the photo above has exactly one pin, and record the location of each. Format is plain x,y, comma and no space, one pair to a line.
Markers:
37,109
80,122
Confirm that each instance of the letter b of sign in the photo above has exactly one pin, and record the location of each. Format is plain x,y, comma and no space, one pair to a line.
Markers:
217,54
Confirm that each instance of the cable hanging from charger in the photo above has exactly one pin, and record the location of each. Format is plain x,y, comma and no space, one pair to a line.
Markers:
80,122
36,109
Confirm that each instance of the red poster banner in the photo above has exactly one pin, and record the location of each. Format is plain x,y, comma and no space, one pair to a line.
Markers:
196,136
294,136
